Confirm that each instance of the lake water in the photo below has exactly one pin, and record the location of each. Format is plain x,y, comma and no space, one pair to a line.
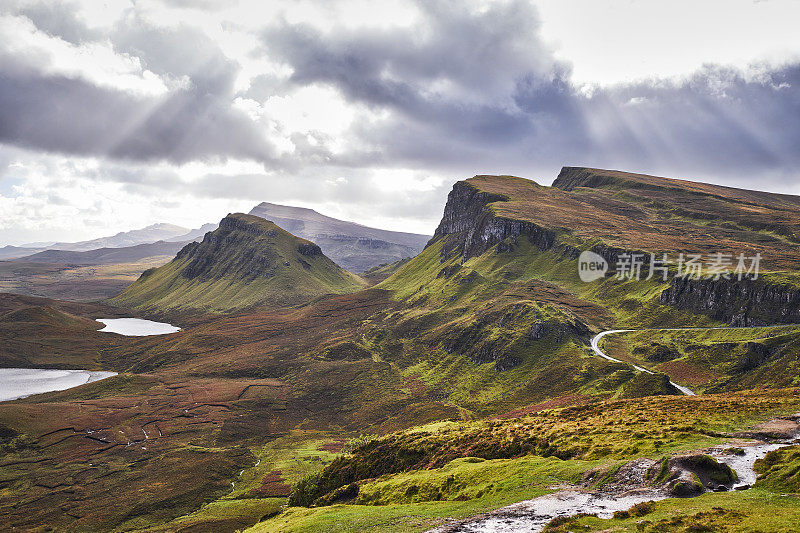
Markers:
136,327
21,382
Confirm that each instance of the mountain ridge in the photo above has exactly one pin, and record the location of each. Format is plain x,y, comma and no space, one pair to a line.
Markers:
353,246
153,233
247,261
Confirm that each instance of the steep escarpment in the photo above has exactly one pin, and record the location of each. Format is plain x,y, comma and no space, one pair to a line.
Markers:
743,302
472,227
246,262
611,213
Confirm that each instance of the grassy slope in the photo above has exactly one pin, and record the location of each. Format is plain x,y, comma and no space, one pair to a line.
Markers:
43,333
494,300
656,214
600,436
716,360
73,282
423,346
248,268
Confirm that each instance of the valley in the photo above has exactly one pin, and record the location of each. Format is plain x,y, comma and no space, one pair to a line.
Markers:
438,387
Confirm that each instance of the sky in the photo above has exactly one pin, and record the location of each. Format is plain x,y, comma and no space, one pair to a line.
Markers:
116,114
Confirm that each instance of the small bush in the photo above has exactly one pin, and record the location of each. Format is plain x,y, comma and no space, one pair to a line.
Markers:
305,491
642,509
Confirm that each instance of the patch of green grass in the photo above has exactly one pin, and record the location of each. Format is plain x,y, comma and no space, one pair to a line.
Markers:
421,499
618,430
715,360
729,512
224,515
779,470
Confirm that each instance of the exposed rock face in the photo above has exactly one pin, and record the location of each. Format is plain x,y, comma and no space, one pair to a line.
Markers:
309,249
470,226
474,228
682,476
739,303
468,217
233,233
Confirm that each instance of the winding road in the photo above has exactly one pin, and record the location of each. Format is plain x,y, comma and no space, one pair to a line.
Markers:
596,349
688,392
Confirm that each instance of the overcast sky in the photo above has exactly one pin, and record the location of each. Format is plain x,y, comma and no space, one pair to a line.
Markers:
118,114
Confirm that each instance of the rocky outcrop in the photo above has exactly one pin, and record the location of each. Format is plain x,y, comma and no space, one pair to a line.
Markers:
203,258
738,303
691,475
473,228
681,476
309,249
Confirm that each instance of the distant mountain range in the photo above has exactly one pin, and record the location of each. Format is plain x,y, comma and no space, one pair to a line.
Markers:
354,247
107,256
154,233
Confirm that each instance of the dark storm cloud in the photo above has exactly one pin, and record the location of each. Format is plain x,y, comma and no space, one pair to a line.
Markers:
458,68
479,90
70,115
463,91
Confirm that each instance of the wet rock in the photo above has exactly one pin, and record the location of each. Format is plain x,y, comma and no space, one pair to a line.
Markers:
690,475
686,488
708,470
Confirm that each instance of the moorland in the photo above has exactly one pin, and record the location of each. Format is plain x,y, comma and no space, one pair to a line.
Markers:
300,396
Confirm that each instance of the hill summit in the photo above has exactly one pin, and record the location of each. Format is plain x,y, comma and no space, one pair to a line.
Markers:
246,262
353,246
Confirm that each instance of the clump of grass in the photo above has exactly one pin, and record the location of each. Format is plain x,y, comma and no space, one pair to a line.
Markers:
780,470
357,442
640,509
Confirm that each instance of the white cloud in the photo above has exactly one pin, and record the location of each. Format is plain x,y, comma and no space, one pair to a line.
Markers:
179,111
95,62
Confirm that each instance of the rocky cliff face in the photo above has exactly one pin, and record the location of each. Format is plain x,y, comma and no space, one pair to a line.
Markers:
231,243
473,228
470,226
738,303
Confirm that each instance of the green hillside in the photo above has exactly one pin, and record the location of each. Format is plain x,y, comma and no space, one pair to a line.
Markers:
463,380
246,262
